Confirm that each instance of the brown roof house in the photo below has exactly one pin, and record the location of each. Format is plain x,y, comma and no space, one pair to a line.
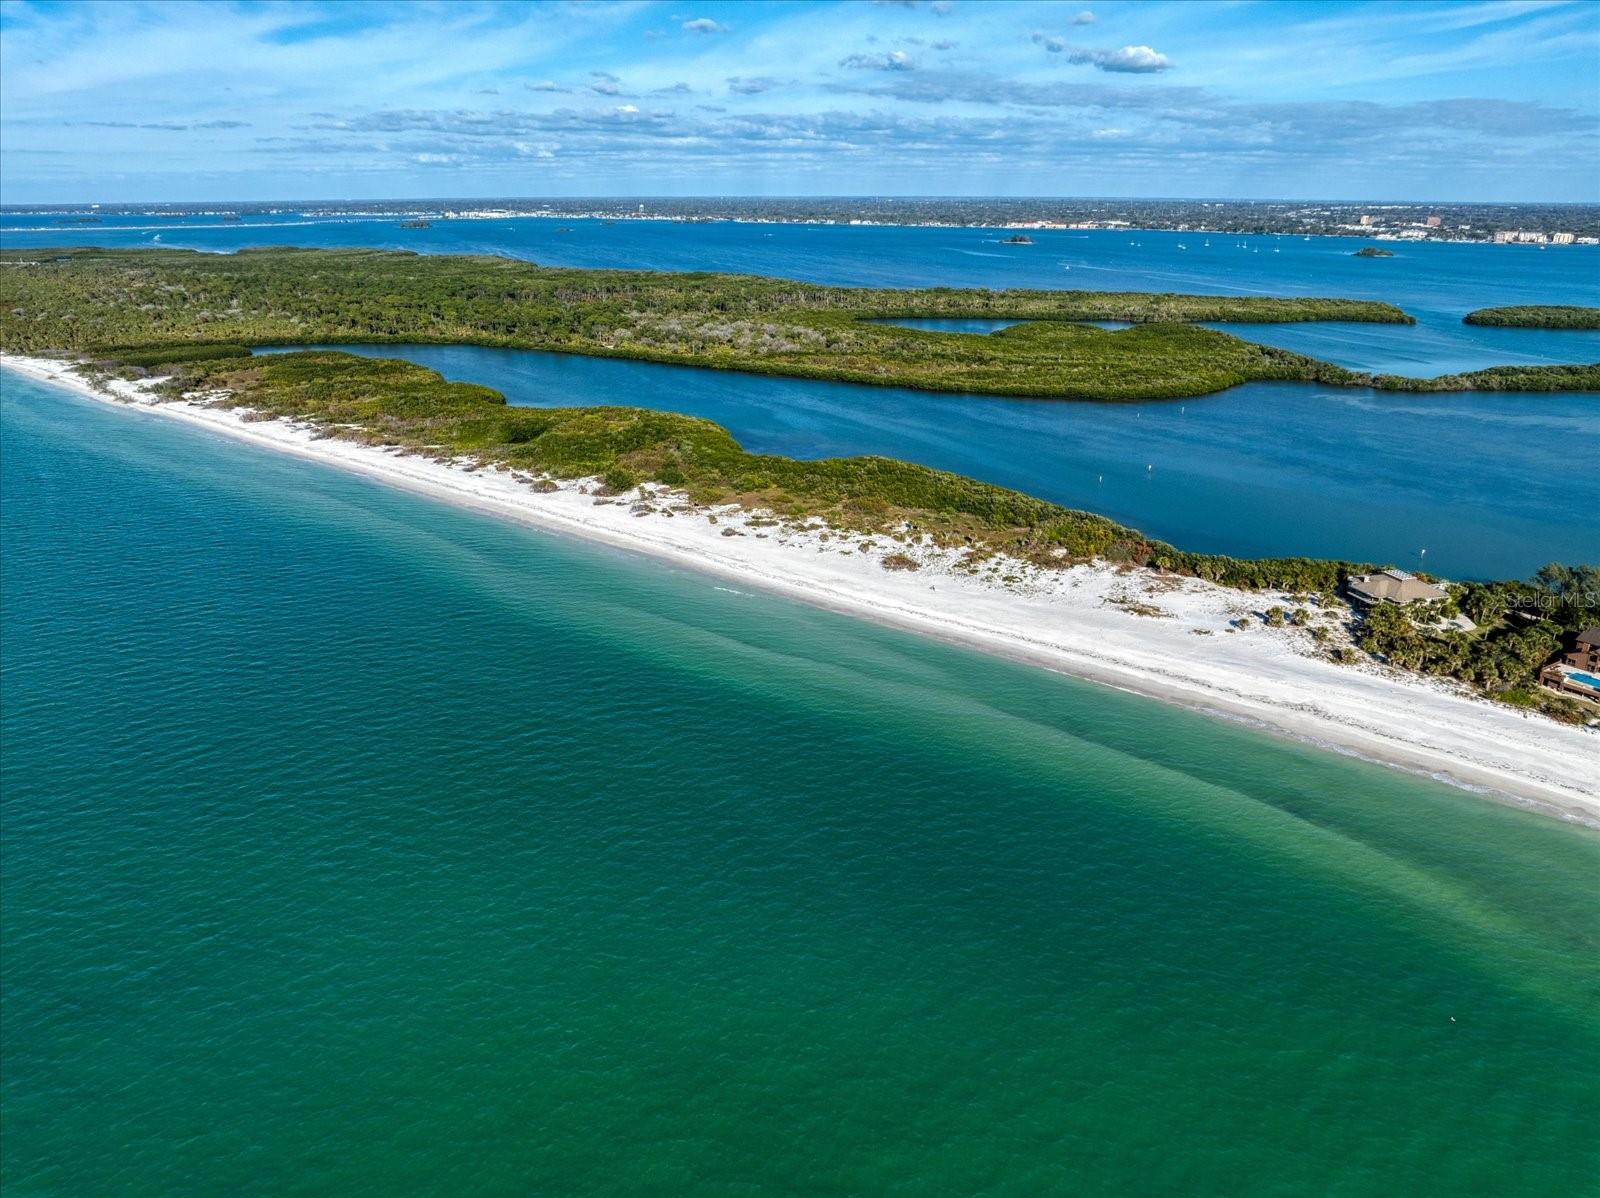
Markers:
1392,586
1578,671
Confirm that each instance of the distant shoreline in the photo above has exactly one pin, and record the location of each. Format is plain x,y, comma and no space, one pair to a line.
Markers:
1093,621
1033,216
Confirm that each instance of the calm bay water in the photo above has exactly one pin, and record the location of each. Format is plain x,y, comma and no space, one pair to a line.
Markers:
1438,284
356,844
1488,484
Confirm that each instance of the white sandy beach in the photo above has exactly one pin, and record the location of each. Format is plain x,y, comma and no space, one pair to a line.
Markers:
1169,638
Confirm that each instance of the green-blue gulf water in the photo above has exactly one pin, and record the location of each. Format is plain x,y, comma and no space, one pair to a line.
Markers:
356,844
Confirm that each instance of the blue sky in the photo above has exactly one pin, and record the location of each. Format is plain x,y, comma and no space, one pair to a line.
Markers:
211,101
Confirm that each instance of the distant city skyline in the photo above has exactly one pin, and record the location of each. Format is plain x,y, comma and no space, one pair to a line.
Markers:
126,102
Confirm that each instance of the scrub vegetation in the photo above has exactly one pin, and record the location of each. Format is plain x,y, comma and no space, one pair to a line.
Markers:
1537,316
1501,378
392,402
98,300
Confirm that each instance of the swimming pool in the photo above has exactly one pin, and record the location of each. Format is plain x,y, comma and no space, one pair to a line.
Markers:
1583,679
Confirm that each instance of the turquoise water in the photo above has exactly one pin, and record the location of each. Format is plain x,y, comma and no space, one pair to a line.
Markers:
1437,284
1483,482
355,844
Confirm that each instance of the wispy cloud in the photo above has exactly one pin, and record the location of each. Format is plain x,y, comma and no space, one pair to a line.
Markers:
168,126
1481,100
751,85
893,60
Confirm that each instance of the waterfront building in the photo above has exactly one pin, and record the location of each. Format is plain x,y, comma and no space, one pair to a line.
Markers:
1392,586
1577,672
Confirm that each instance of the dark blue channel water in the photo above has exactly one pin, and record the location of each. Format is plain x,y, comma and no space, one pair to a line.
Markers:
1490,485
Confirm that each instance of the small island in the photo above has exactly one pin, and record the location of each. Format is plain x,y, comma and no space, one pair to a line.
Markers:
1372,251
1537,316
1018,239
416,224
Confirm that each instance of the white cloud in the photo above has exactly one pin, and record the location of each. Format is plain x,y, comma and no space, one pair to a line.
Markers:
1084,18
704,25
1131,59
894,60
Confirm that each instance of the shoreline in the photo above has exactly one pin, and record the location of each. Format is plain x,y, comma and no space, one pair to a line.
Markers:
624,216
1174,640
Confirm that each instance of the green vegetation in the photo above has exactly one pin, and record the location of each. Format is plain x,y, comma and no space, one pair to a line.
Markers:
391,402
1372,251
169,355
1520,625
1537,316
87,300
1501,378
